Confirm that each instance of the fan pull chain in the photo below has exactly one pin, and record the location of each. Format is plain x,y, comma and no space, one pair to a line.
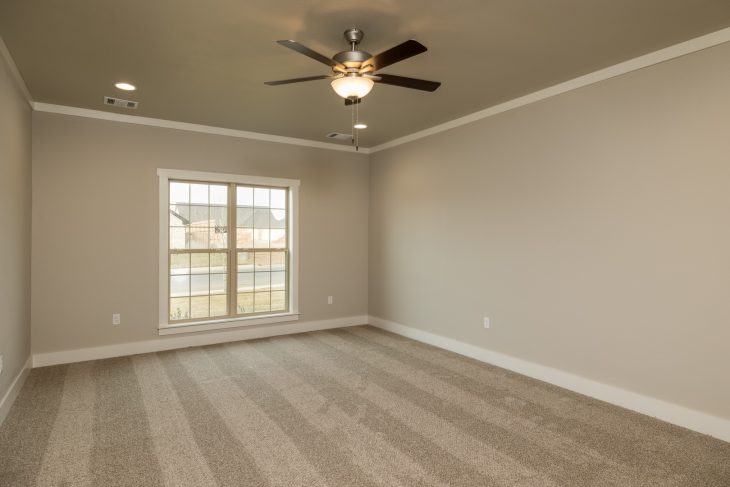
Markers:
355,119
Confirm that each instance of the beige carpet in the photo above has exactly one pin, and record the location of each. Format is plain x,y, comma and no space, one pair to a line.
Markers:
355,406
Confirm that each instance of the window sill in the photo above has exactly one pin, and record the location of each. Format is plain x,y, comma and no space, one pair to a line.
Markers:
197,326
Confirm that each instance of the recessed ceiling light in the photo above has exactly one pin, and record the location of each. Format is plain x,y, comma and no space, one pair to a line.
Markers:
360,126
125,86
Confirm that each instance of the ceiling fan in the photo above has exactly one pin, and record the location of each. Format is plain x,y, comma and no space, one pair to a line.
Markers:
354,72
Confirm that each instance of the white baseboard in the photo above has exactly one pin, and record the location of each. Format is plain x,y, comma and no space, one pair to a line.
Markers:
174,342
666,411
9,398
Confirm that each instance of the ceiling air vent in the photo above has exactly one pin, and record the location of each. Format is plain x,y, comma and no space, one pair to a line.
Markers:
117,102
339,136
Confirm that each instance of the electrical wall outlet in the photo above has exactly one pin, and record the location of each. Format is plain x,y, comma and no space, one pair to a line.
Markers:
329,299
487,322
116,319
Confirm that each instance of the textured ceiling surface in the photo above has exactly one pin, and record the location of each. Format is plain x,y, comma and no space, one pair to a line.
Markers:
205,62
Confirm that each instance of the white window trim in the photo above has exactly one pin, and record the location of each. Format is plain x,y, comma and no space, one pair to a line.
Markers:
164,327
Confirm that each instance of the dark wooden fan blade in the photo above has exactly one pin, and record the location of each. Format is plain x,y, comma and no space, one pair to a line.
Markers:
414,83
352,101
310,53
295,80
395,54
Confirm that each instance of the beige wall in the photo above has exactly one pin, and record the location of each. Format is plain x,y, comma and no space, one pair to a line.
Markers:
593,228
15,194
95,233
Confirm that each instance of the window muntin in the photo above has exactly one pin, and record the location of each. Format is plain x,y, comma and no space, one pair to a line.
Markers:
207,261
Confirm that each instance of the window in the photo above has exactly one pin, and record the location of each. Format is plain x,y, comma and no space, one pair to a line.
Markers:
227,250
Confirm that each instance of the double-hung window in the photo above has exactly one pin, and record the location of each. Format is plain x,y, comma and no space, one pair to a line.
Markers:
227,250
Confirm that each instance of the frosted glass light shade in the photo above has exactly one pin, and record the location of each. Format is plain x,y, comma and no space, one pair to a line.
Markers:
348,86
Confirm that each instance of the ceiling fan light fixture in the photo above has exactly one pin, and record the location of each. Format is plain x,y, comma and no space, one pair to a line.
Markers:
352,86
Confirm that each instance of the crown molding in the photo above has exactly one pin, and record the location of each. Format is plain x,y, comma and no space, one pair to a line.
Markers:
19,81
190,127
656,57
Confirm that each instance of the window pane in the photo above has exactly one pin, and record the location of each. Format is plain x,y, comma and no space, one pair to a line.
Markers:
262,281
218,194
180,264
179,286
261,197
199,284
278,301
199,263
278,280
245,281
245,261
218,238
218,262
245,303
278,261
278,239
244,238
244,217
199,216
218,216
218,284
261,218
179,193
218,305
199,194
179,308
199,307
263,261
244,196
198,237
278,198
179,215
262,302
277,219
179,238
260,239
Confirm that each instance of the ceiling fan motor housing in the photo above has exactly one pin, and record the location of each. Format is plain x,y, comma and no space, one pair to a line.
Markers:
352,59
